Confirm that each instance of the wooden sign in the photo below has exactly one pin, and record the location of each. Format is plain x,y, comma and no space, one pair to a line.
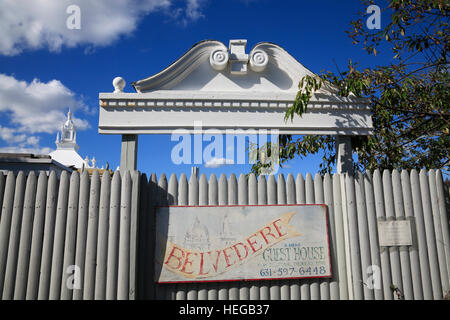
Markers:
394,233
231,243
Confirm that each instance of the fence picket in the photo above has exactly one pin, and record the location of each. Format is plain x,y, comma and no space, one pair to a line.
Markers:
413,254
328,198
354,238
443,217
203,201
223,200
213,199
373,238
193,196
14,237
244,290
172,198
274,290
310,199
264,293
301,199
152,291
440,241
58,244
294,286
282,199
324,285
183,199
253,200
37,238
405,264
113,237
363,231
68,284
23,256
5,224
123,270
430,235
102,240
143,248
91,241
49,232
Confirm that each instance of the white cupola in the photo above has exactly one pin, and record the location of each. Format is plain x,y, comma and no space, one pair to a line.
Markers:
67,137
66,145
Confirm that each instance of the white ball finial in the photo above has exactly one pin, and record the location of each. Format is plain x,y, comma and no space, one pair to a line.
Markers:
118,84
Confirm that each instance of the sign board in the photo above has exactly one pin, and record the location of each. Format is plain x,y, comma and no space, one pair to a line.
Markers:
394,233
227,243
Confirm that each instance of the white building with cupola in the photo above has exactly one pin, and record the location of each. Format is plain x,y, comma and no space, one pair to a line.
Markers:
67,148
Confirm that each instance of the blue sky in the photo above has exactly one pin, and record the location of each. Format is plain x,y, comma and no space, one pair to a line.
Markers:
46,68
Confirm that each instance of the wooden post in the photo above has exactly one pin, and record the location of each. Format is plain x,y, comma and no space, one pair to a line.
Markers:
128,156
344,159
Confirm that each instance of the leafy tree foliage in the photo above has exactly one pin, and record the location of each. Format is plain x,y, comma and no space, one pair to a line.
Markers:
409,97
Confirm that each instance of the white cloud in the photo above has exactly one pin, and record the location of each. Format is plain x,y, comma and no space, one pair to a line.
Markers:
193,9
184,15
30,108
20,142
18,149
38,106
218,162
35,24
10,134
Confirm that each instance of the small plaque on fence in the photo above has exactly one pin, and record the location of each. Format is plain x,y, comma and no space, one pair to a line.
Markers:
232,243
394,233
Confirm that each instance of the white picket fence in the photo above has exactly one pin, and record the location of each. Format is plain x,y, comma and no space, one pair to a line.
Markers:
354,204
81,237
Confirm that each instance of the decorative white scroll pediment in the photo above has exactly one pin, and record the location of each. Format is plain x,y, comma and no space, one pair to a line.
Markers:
211,66
229,87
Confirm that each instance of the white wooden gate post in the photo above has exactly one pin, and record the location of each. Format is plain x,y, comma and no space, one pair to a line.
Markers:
344,159
128,156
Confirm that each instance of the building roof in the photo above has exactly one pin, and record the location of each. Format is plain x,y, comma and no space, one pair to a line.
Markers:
66,143
68,157
32,159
